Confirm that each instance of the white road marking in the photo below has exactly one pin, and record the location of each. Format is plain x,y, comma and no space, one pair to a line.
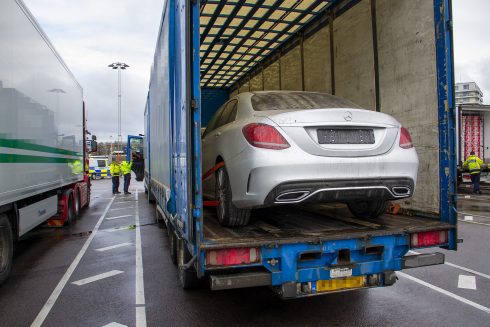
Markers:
140,285
125,208
97,277
113,247
118,217
41,316
468,282
140,316
467,196
474,272
116,229
473,222
443,291
471,214
468,218
114,324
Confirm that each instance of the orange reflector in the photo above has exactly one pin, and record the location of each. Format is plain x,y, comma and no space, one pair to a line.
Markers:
56,223
431,238
232,257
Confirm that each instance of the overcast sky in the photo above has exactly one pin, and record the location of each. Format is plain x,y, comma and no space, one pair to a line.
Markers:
90,34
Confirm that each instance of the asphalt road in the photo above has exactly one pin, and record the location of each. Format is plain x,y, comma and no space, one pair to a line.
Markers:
112,268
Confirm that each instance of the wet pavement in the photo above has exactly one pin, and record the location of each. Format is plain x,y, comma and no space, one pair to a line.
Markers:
112,268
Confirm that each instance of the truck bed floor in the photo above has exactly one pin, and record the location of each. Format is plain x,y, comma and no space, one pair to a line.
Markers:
294,224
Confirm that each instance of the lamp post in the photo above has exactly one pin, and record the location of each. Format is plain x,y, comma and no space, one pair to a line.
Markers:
118,66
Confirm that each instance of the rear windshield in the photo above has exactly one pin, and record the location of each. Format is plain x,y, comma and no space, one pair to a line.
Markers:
298,101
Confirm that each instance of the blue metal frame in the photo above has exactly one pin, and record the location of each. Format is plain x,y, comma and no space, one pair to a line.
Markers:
196,126
447,116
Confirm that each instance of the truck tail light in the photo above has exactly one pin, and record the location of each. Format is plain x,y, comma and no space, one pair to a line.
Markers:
264,136
405,139
232,257
432,238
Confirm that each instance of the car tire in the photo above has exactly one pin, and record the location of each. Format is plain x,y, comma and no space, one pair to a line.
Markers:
368,209
228,214
6,248
187,277
93,176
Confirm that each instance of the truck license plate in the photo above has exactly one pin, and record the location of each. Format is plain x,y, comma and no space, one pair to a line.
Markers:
340,272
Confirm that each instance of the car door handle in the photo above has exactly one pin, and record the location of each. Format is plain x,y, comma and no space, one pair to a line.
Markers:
217,134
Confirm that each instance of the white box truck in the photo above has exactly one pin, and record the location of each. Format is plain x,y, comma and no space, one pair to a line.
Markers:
43,168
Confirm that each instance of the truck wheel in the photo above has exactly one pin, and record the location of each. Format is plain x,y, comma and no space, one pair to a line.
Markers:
88,195
93,176
6,248
70,214
172,239
76,211
368,209
188,277
228,214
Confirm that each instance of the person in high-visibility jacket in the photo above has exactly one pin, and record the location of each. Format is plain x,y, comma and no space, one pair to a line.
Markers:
126,171
474,165
115,172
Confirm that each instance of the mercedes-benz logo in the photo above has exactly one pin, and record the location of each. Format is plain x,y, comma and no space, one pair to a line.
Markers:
348,116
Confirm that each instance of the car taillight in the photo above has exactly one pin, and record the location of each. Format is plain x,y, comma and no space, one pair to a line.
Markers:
264,136
432,238
405,139
232,257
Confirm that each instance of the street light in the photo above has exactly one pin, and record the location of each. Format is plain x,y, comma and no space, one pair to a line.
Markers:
119,66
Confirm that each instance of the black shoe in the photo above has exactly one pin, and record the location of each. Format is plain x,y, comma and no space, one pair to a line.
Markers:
479,192
118,192
127,192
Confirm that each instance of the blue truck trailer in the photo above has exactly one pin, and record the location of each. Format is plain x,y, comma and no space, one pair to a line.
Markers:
390,56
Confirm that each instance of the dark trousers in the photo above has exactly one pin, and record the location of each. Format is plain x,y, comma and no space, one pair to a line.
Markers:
127,181
475,179
115,184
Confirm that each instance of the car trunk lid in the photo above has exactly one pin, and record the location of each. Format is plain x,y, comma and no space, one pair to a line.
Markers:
337,132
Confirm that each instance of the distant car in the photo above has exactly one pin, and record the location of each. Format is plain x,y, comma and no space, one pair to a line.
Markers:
277,147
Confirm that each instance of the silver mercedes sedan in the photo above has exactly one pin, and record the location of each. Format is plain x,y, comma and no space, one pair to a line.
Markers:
285,147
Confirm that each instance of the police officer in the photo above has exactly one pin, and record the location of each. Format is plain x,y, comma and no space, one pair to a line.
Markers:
126,171
115,172
474,165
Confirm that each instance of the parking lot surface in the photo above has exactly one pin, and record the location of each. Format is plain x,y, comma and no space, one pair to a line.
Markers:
112,268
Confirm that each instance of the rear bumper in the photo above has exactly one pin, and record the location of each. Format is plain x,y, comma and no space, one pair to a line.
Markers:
255,173
341,191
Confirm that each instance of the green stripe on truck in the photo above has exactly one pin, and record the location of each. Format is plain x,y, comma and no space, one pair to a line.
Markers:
20,158
24,145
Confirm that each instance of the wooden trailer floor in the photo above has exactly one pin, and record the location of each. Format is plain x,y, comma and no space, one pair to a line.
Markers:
314,223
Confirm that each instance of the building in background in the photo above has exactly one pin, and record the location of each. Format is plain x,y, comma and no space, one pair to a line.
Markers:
468,93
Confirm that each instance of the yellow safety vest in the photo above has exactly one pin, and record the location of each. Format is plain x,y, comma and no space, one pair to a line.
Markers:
474,164
126,167
115,169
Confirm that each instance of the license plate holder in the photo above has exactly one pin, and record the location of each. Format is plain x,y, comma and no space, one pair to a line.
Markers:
345,136
340,272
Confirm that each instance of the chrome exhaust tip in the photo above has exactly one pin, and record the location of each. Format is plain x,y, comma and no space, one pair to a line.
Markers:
292,196
401,190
